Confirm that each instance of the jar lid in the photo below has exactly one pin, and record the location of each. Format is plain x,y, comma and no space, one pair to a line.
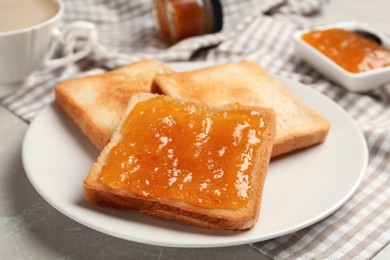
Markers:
218,15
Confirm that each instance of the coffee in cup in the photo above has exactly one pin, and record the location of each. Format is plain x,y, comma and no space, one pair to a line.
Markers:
29,34
20,14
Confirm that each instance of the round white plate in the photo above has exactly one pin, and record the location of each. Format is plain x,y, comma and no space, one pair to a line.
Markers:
300,189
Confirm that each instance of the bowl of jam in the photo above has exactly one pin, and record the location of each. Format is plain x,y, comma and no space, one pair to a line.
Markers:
351,54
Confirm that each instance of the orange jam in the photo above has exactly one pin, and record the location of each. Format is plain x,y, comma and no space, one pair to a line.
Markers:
351,51
186,19
186,151
180,19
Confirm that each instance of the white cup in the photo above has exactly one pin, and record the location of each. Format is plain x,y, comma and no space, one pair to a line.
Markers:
27,50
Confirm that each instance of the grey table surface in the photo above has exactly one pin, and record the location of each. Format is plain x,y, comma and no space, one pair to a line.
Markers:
30,228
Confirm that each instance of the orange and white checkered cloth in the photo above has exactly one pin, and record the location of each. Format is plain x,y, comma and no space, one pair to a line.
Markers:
253,30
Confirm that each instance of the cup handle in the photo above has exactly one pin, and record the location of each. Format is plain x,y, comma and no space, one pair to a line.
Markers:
66,36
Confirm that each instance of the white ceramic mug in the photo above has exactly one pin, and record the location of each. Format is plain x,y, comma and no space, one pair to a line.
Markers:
26,50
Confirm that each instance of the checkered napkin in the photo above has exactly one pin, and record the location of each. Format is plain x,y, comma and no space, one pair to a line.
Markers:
259,31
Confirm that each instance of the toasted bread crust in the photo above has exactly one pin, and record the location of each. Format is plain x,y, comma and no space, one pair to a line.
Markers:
173,209
82,119
96,103
298,125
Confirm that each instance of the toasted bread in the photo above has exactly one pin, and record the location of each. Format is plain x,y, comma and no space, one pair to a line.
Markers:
298,125
95,103
141,180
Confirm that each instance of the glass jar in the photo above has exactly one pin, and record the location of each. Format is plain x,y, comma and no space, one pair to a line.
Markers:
180,19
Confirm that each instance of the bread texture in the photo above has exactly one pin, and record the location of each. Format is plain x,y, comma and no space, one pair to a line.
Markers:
298,125
181,210
96,103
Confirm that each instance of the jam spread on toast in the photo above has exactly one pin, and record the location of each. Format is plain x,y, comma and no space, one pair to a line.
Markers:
186,151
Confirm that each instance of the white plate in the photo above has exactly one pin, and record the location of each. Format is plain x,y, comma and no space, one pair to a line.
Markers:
300,189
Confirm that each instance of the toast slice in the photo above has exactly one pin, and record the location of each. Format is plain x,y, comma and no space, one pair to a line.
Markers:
95,103
186,161
298,125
